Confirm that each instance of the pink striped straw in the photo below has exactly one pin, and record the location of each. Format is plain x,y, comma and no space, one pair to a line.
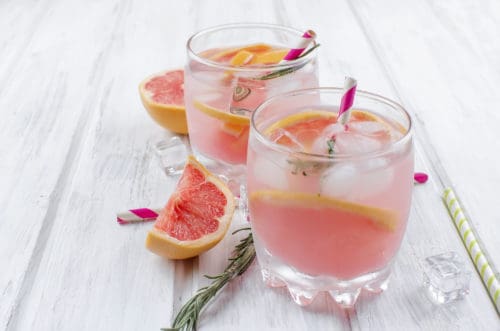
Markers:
137,216
294,53
347,100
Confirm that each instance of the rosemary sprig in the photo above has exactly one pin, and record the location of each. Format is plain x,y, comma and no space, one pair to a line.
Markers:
243,255
287,71
331,145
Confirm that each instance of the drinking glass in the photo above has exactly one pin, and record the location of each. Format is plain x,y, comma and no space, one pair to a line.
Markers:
230,70
329,203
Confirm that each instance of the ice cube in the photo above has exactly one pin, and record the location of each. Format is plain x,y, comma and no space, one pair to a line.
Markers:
446,278
269,172
358,181
332,130
376,176
354,143
339,180
368,128
172,154
320,145
243,203
287,138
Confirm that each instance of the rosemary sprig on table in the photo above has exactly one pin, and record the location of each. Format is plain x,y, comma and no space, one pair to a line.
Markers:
243,255
282,72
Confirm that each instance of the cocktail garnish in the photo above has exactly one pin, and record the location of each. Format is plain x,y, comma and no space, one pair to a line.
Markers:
243,255
331,144
286,71
300,166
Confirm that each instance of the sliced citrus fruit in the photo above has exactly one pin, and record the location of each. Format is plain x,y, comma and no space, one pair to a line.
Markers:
221,115
311,118
162,95
305,127
241,58
338,210
196,217
227,53
270,57
232,124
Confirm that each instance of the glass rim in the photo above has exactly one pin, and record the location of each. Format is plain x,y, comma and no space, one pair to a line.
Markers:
337,156
253,68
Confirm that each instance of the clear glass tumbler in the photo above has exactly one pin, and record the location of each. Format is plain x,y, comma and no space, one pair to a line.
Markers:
329,203
230,70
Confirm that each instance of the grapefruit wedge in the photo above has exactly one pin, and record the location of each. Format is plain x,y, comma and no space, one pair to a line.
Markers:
162,95
196,217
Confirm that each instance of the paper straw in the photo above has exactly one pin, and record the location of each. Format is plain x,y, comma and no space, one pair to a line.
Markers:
137,216
295,52
347,100
471,242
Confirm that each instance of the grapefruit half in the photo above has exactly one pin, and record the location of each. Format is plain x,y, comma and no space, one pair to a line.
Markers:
196,217
162,95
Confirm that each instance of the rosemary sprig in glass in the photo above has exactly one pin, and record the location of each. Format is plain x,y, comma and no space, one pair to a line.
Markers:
243,255
286,71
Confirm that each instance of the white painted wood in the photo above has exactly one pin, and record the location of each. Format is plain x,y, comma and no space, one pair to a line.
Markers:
76,146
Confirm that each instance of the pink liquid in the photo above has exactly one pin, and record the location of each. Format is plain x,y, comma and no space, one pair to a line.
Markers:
317,238
221,139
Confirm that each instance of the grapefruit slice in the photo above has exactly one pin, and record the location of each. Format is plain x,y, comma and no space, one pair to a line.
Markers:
278,201
196,217
270,57
162,95
231,123
227,53
306,126
316,119
242,58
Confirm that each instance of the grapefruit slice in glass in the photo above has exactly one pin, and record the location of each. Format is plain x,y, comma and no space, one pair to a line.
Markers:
162,95
294,203
231,123
196,217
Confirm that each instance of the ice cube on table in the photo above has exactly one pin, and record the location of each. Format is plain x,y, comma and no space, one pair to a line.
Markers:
446,278
172,154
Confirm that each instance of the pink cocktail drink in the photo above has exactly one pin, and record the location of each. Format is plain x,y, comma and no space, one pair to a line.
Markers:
228,74
329,203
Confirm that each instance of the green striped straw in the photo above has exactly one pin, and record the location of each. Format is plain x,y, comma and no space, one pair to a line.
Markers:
471,242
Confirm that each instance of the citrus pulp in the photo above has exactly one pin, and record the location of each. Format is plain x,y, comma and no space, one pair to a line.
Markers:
162,95
196,217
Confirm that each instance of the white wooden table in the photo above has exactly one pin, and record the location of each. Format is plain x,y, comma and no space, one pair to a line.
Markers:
76,147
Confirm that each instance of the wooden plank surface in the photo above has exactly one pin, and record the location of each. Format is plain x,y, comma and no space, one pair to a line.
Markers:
76,146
